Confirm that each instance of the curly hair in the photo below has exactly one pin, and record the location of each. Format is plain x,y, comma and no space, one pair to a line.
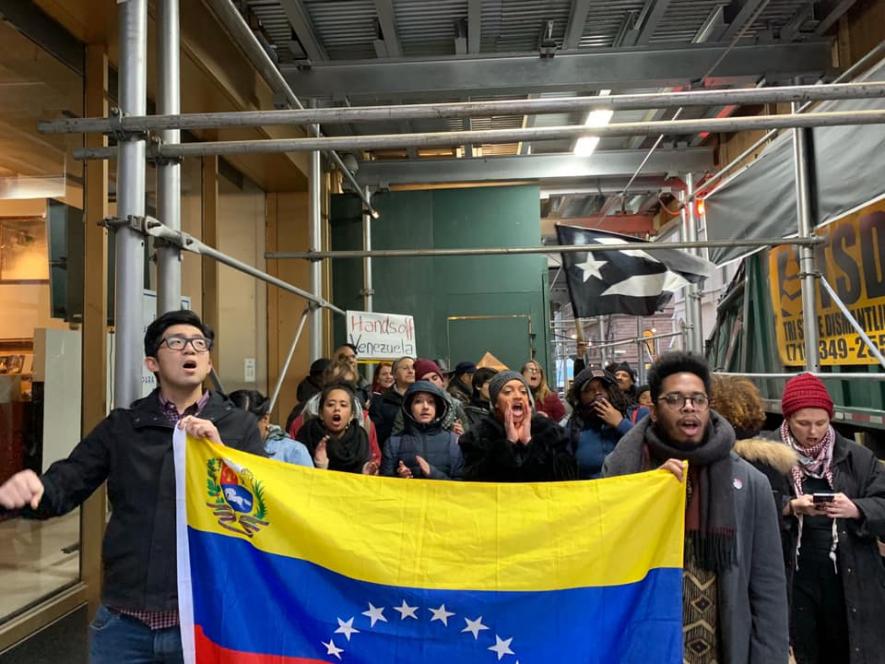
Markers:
739,402
677,362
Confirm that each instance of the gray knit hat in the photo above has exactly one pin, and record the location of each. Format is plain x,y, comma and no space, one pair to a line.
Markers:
500,379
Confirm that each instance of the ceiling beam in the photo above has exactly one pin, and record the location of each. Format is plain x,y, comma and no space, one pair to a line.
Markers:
745,11
298,17
576,22
387,21
474,26
652,19
581,70
619,223
835,14
602,164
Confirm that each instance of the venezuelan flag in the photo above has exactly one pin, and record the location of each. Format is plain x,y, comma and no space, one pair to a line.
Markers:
283,564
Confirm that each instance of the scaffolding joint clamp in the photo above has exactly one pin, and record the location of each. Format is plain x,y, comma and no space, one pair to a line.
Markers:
367,291
120,134
132,221
313,256
155,153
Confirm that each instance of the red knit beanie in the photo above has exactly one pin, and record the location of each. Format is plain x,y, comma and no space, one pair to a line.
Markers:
424,366
805,391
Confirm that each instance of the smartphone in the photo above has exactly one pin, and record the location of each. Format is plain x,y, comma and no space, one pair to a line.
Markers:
818,498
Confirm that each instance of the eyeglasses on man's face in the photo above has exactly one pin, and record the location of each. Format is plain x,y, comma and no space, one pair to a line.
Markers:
179,343
698,400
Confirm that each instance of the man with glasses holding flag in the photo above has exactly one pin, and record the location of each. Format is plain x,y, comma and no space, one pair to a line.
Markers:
734,592
132,449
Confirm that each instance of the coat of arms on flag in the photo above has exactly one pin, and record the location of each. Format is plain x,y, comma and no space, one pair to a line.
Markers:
361,569
631,281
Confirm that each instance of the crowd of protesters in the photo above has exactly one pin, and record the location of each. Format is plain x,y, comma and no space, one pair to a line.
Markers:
781,527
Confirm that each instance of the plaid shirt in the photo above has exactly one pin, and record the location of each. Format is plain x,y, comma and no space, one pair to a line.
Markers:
166,619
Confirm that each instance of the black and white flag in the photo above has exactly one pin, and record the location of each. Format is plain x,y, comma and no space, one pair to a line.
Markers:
632,281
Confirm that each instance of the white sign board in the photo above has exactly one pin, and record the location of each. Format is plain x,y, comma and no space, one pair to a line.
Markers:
381,336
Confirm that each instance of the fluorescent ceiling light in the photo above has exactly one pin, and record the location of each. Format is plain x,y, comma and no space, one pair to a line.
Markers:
586,145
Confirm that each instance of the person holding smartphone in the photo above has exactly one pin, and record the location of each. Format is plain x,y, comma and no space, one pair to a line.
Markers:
836,512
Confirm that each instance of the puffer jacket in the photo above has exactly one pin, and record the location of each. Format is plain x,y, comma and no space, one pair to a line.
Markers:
429,441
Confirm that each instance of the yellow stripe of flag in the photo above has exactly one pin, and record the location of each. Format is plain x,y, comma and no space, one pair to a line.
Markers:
419,534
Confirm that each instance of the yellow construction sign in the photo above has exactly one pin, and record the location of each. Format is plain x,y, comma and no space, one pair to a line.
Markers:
853,262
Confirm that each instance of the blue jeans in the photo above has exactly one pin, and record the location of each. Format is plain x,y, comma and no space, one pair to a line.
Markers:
115,638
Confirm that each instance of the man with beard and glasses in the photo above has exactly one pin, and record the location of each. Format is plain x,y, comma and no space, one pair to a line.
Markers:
734,592
598,421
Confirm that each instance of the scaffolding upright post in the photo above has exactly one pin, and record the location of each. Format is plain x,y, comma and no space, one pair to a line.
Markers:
129,242
806,253
368,289
168,170
689,339
693,293
316,235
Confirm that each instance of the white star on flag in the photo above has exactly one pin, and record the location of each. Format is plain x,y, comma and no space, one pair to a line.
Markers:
442,615
406,611
591,267
332,649
502,647
346,628
375,614
474,627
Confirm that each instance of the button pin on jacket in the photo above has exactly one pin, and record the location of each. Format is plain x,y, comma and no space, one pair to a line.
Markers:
737,483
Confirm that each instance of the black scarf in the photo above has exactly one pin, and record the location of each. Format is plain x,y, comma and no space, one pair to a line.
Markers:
348,452
710,520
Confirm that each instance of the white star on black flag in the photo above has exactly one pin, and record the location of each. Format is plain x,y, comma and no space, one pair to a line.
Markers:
633,281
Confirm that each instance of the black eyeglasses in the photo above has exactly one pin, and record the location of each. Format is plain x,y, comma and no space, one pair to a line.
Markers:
199,344
677,400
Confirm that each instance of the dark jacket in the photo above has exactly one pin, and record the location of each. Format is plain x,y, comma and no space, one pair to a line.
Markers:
490,457
430,441
592,441
475,411
752,594
384,413
858,474
132,449
460,391
774,460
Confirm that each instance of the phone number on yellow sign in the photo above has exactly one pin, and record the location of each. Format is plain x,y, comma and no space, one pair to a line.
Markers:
835,350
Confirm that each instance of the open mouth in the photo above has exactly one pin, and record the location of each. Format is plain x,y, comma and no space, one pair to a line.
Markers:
190,364
690,427
518,409
336,418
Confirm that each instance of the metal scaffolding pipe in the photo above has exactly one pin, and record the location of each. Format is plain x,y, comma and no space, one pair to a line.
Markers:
707,187
693,293
874,350
806,254
168,170
189,243
368,285
348,115
230,17
548,249
129,244
315,231
497,136
877,377
289,356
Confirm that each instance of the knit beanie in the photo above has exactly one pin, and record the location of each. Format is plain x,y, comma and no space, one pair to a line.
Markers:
424,367
805,391
500,379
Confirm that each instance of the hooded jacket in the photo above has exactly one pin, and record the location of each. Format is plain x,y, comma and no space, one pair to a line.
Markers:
430,441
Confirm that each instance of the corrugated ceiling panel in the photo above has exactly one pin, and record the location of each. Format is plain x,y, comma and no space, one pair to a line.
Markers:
604,21
516,25
427,27
682,20
346,28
